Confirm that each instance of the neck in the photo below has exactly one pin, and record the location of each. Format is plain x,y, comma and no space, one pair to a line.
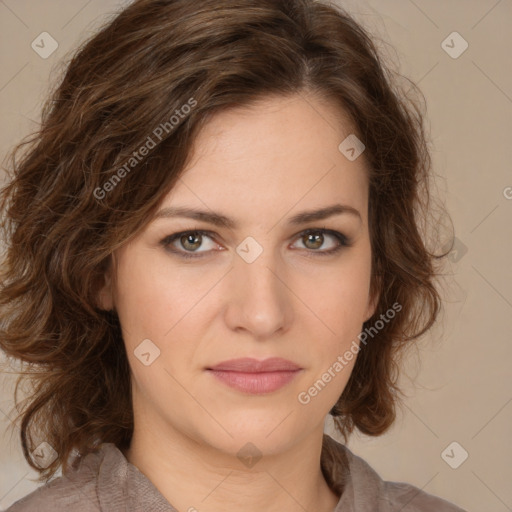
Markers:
197,477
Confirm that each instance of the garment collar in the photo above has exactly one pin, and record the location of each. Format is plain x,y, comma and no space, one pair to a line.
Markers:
122,486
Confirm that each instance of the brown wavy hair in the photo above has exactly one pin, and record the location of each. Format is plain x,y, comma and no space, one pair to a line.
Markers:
134,74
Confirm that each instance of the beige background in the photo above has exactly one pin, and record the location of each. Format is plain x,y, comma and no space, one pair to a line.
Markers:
459,387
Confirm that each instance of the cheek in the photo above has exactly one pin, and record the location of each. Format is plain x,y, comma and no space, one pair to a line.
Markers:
340,298
342,302
141,308
160,316
150,299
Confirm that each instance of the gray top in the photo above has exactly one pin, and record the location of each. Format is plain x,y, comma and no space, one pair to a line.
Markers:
106,481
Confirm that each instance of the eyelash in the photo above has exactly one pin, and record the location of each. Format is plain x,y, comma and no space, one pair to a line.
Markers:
342,239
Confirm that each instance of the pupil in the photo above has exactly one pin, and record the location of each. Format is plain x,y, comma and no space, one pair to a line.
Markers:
190,239
318,242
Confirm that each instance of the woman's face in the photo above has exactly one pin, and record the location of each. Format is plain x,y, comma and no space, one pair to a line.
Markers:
262,288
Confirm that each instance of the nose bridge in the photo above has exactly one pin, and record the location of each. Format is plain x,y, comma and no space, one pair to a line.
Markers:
259,274
260,301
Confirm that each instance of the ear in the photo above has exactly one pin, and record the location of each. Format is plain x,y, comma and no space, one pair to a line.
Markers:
104,295
372,306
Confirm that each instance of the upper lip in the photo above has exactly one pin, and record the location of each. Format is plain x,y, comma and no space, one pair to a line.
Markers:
250,365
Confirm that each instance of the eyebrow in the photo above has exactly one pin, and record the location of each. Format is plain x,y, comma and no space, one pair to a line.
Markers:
222,221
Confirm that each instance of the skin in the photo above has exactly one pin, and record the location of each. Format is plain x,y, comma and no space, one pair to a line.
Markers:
258,166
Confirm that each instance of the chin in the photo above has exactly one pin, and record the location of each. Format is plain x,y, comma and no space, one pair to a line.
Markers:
268,435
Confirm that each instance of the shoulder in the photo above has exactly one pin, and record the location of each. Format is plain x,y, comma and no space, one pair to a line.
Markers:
366,491
101,480
59,494
76,490
408,498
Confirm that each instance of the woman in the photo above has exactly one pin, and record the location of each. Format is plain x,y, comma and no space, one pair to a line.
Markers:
213,243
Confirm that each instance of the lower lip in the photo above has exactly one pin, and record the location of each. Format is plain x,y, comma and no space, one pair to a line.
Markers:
255,383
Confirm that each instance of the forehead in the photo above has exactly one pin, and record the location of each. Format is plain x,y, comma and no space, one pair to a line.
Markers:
287,126
278,151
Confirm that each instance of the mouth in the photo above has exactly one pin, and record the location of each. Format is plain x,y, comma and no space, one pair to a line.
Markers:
251,376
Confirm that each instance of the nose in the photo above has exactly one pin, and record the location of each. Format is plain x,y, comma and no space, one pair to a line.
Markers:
259,298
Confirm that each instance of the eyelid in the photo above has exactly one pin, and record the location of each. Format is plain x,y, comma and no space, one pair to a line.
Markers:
168,240
343,240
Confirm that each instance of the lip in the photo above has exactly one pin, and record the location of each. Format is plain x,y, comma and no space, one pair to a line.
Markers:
252,376
250,365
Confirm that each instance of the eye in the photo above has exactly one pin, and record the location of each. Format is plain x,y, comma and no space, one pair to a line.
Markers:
192,241
189,240
313,239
